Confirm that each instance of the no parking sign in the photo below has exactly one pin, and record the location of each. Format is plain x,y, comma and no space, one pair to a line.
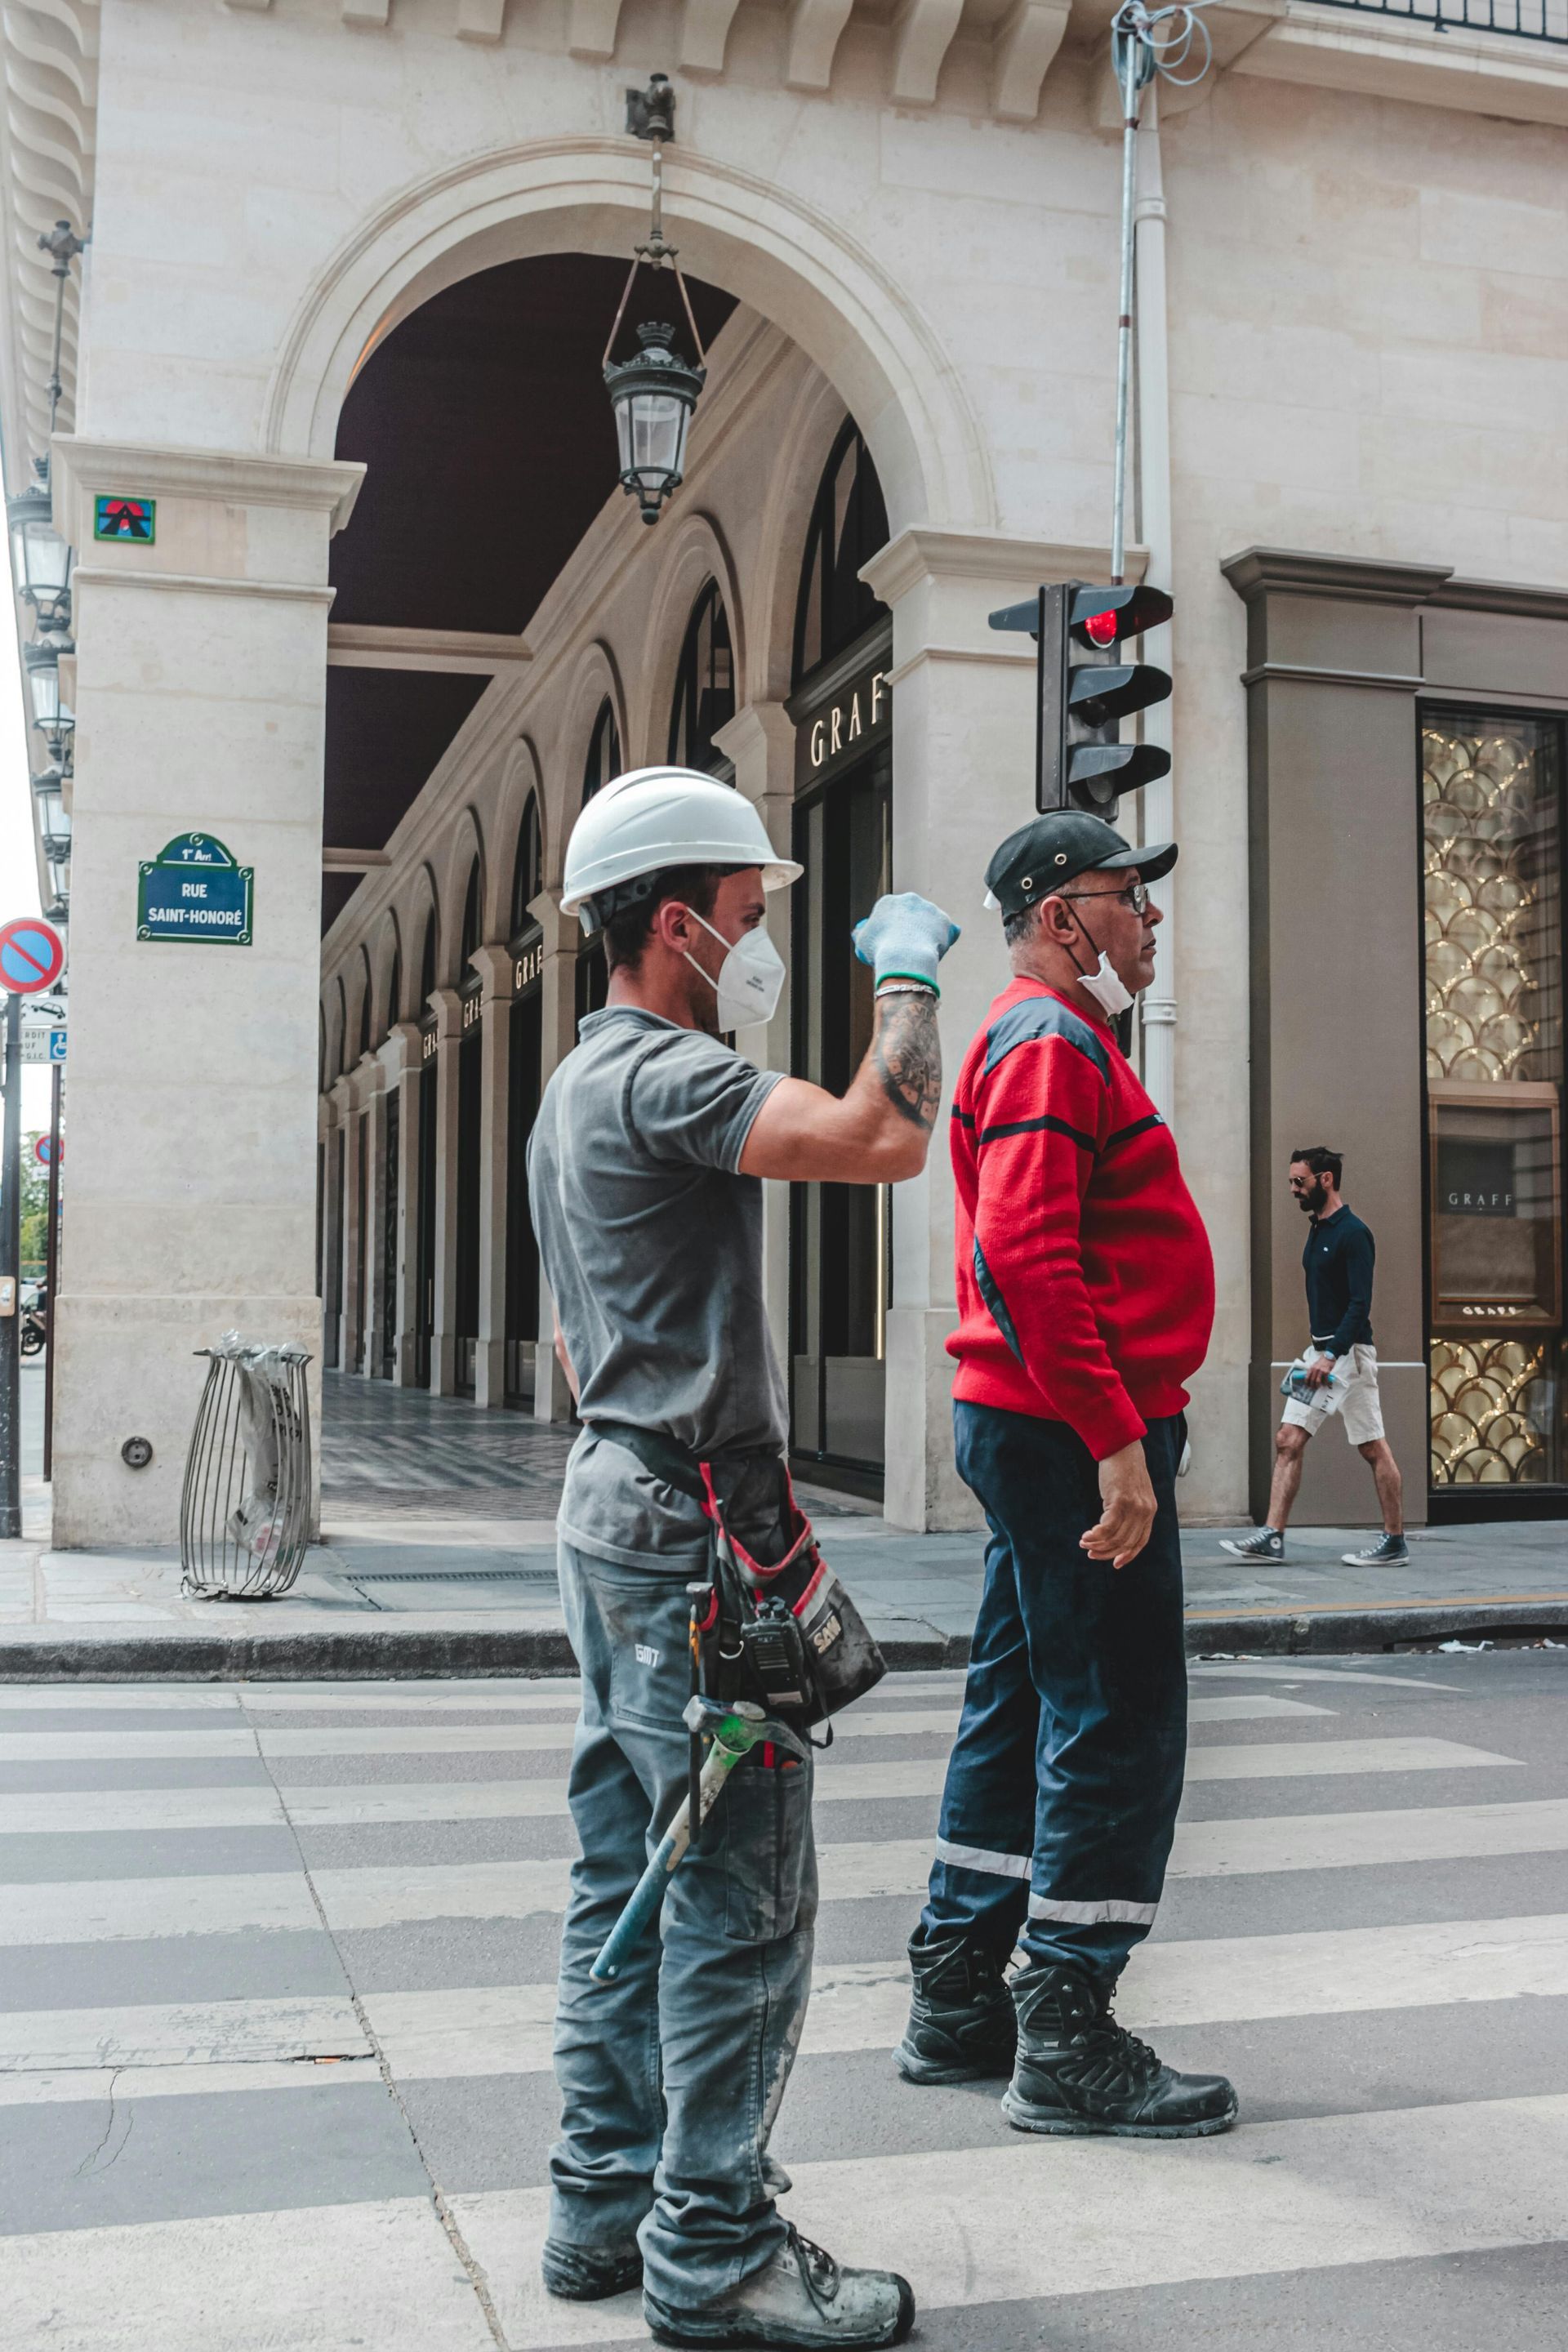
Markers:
32,955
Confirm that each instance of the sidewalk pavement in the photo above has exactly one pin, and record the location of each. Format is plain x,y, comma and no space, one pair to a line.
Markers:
439,1558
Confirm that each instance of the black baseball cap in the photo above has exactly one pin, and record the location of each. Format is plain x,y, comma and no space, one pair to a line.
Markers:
1034,862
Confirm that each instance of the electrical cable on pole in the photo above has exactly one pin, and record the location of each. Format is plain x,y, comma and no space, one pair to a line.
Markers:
1143,42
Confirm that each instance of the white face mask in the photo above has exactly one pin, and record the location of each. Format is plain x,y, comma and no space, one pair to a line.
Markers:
751,978
1105,985
1106,988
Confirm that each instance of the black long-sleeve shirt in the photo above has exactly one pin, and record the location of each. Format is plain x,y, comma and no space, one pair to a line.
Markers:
1337,1263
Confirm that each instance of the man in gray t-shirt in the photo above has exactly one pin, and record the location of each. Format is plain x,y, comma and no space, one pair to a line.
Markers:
659,1292
645,1170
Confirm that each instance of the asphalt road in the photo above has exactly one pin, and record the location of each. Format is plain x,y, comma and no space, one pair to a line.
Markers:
275,1997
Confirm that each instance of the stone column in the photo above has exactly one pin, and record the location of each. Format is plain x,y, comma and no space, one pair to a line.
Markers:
340,1177
760,739
326,1210
494,966
447,1007
378,1306
563,936
400,1057
201,686
963,763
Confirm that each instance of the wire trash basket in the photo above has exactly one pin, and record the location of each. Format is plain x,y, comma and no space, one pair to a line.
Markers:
245,1512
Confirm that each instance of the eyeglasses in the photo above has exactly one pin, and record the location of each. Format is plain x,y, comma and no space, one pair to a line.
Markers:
1135,896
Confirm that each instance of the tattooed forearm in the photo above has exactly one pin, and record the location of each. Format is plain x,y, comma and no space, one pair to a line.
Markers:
907,1051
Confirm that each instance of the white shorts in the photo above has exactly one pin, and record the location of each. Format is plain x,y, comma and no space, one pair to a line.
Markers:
1358,1404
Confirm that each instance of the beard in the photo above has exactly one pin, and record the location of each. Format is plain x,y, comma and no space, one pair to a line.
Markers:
1313,1199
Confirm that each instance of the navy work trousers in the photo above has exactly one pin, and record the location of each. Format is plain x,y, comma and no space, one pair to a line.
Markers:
1064,1781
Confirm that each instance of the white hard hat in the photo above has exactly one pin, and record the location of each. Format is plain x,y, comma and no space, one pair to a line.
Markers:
657,818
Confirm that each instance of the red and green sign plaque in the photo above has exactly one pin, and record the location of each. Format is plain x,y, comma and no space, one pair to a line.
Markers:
115,516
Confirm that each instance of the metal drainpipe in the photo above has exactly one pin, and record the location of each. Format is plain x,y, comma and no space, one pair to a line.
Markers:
1159,1005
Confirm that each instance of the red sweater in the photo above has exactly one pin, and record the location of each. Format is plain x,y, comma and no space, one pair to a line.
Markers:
1084,1280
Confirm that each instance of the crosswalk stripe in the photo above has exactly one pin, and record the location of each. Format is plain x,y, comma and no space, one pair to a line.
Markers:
1046,2218
862,2005
1253,1670
323,2277
473,2031
366,1897
240,1738
303,1698
59,1812
83,2086
188,2033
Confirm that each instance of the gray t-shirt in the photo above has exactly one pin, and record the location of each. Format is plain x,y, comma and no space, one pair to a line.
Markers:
652,1245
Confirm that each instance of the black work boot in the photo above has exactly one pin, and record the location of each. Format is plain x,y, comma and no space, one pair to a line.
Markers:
962,2022
1079,2072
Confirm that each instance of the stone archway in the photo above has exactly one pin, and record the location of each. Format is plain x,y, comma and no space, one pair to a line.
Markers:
780,254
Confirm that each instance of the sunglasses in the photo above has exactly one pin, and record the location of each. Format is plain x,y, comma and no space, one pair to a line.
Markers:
1135,896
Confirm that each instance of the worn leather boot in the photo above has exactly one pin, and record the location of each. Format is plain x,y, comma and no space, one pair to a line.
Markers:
589,2273
802,2297
1079,2072
962,2022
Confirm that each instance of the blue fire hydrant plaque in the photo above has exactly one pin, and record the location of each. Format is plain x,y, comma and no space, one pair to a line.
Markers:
194,890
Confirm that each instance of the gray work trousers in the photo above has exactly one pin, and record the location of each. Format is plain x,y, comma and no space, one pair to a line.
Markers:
671,2075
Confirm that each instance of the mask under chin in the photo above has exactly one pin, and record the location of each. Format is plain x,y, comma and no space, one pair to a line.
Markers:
1106,988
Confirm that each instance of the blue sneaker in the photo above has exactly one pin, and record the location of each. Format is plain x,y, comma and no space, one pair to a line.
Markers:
1267,1544
1388,1551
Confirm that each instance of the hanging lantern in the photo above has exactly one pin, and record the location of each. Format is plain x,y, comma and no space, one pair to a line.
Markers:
40,558
53,719
654,392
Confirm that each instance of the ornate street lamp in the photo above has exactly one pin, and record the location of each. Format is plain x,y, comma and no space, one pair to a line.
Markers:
653,394
54,818
40,556
53,719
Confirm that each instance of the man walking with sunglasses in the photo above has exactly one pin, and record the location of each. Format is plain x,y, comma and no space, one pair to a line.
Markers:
1085,1298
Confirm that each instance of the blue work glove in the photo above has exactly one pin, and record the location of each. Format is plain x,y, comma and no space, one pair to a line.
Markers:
904,937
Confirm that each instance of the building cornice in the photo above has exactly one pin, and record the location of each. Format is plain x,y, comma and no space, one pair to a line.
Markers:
921,553
1407,58
46,155
470,653
1367,580
1515,598
83,467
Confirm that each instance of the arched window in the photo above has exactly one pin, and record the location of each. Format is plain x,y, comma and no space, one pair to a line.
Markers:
472,918
528,868
395,988
365,1002
704,686
604,762
340,1032
427,965
848,524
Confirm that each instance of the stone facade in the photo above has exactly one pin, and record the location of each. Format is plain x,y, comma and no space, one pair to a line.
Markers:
1363,351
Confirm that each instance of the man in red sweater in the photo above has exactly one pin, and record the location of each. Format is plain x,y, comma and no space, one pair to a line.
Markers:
1085,1299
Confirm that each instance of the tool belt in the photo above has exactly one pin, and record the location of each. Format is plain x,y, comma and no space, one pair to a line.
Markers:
783,1634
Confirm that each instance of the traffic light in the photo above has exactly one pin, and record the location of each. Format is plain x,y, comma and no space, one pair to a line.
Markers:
1087,688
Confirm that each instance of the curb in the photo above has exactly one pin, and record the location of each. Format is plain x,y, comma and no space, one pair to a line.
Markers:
344,1654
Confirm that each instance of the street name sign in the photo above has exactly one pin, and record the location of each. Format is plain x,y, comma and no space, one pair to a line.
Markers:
194,889
32,955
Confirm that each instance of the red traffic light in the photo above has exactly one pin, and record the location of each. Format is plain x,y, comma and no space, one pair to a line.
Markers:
1107,616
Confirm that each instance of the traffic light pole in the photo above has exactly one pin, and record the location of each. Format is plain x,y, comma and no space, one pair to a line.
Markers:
10,1265
52,1270
1132,67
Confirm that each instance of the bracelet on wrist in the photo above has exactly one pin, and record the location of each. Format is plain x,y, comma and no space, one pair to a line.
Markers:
906,984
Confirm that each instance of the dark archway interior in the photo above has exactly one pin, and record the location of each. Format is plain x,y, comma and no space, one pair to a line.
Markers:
487,433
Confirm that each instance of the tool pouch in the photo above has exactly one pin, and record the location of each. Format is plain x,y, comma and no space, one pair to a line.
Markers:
806,1649
781,1631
